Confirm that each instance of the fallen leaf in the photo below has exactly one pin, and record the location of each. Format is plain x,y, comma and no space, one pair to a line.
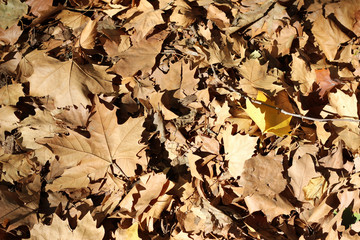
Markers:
238,148
85,229
324,81
143,53
88,35
263,175
146,18
16,212
267,118
255,78
315,188
328,36
130,233
109,144
9,94
10,12
270,206
67,83
301,172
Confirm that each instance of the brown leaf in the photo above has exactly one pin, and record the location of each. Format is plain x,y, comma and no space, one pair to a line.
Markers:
255,78
143,53
66,82
324,81
88,35
9,94
16,212
109,144
270,206
328,36
263,175
301,172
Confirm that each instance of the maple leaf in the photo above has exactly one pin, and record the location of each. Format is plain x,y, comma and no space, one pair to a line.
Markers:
66,82
255,78
109,144
267,118
85,229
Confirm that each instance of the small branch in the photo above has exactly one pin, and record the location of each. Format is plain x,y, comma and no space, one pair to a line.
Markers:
285,112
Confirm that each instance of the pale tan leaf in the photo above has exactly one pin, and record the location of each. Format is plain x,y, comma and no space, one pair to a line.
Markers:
328,36
238,148
300,173
59,230
9,94
270,206
66,82
88,35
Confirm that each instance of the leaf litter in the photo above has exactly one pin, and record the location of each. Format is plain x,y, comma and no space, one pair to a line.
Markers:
179,119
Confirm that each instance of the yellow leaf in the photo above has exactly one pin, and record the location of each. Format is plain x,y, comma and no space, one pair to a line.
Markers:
267,118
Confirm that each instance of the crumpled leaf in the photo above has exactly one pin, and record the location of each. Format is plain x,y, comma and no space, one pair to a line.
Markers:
130,233
263,175
324,81
267,118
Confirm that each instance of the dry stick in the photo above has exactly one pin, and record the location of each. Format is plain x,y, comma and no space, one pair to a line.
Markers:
285,112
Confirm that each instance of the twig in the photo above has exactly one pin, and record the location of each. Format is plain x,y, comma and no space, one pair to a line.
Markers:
286,112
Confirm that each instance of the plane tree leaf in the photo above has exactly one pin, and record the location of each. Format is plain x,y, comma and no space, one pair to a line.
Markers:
60,229
109,144
68,83
266,117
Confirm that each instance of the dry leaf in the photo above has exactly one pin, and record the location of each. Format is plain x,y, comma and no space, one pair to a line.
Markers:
66,82
109,144
324,81
59,229
267,118
238,148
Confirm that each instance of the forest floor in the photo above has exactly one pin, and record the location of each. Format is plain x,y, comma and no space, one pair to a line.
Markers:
179,119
